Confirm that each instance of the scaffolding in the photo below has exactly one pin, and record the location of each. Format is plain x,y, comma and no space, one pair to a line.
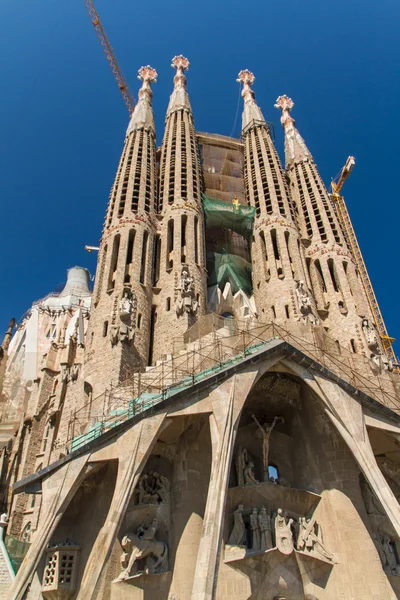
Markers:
211,346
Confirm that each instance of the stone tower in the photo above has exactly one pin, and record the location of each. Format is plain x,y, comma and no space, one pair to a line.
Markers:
120,322
180,277
279,274
341,300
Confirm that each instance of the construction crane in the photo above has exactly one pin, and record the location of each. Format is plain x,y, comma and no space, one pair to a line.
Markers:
109,53
351,239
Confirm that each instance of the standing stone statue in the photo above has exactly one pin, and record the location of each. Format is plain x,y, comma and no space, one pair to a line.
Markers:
264,523
238,532
255,531
283,533
249,478
308,540
240,464
266,434
305,304
391,560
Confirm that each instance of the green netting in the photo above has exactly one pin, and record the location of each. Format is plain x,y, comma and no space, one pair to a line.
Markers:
239,218
226,267
16,551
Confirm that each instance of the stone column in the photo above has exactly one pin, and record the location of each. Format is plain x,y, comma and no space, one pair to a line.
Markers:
133,449
57,492
227,402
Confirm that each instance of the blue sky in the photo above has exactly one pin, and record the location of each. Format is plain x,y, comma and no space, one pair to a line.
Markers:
62,120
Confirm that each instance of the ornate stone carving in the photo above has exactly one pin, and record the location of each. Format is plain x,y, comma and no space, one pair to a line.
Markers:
248,472
388,554
152,488
238,532
266,431
283,533
374,345
143,553
186,301
60,572
305,304
310,539
240,463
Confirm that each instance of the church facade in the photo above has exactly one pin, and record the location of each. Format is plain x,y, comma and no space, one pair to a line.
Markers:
218,418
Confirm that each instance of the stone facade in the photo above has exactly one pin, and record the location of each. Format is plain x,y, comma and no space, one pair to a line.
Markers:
154,450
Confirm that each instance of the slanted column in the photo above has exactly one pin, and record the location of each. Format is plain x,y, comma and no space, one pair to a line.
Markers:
276,233
181,296
119,330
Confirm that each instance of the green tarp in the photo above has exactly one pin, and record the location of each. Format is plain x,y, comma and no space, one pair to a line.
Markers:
236,217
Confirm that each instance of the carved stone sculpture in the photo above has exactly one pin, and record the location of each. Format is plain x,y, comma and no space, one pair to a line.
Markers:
186,301
283,533
152,488
142,546
391,559
305,304
125,307
310,538
238,532
248,473
264,523
240,463
266,434
255,531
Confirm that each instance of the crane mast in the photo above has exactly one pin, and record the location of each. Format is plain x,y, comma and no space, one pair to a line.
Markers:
351,239
109,54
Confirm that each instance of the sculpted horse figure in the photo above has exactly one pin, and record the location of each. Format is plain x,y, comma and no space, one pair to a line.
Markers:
140,546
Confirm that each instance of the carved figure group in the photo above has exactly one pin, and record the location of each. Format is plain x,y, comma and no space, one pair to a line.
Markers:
123,331
142,546
186,301
257,531
152,488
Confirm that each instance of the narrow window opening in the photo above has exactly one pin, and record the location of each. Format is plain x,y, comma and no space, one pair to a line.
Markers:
320,275
153,320
170,244
331,268
168,304
196,240
105,328
338,346
144,257
129,256
273,473
114,263
156,259
183,238
273,311
139,321
275,244
353,346
287,311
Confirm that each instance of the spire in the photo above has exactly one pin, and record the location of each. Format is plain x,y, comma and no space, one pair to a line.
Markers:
179,98
8,335
251,110
142,116
295,148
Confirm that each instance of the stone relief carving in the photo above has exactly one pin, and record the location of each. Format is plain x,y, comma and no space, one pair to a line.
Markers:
70,373
186,300
123,331
254,530
248,473
388,554
152,488
305,304
143,554
266,431
309,538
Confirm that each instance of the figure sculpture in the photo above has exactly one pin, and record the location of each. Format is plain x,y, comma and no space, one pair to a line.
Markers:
266,434
264,523
248,473
186,302
255,531
283,533
238,531
305,304
139,546
391,559
240,464
125,307
310,538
